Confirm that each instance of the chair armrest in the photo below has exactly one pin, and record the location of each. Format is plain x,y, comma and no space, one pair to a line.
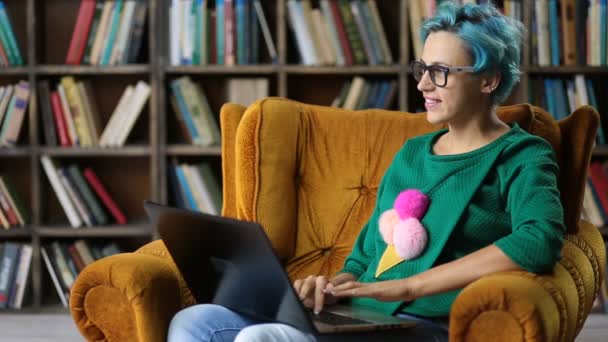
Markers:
128,297
508,306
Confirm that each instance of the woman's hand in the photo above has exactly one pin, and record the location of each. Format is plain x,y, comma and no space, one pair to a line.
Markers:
386,291
314,291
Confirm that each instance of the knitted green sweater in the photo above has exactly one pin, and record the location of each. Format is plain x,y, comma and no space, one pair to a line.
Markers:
504,193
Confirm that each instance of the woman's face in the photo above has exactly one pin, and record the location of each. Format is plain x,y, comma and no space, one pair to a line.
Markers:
462,93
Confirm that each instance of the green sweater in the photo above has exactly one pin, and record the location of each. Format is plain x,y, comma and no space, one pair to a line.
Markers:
503,193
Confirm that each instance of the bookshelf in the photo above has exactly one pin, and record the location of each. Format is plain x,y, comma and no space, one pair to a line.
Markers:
43,30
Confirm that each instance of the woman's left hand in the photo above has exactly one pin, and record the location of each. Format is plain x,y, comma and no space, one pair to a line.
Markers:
386,291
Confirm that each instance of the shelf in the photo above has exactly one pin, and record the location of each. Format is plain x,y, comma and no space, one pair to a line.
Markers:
565,70
127,151
110,231
332,70
20,70
192,150
222,69
15,151
92,69
600,151
15,232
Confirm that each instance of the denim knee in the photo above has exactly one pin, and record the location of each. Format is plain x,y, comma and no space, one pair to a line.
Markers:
205,322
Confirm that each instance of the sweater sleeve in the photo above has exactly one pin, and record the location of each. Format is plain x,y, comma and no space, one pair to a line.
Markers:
537,217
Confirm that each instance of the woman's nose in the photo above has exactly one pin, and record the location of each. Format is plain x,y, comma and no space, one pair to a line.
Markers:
425,82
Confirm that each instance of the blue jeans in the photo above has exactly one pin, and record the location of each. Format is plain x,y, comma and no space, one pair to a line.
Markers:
214,323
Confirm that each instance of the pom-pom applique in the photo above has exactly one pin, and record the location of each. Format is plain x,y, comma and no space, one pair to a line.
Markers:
401,226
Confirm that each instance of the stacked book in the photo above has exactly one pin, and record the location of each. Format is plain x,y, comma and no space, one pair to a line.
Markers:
562,96
341,32
12,211
193,112
15,262
194,187
64,261
82,195
71,118
363,94
108,32
228,34
9,49
14,99
245,91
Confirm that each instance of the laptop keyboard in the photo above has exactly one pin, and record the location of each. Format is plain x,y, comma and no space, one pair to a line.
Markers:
336,319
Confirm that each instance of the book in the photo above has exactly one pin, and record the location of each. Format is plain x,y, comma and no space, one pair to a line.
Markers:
133,111
102,31
105,197
99,5
272,51
75,196
53,273
68,207
87,195
107,137
11,44
81,32
21,276
46,111
14,119
14,200
8,264
60,124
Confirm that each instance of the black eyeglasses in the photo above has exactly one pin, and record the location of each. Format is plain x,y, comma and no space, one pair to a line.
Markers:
438,73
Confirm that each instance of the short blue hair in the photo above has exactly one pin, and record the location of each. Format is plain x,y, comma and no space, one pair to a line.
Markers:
494,40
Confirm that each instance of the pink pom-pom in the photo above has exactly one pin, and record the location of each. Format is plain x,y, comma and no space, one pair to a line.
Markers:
410,238
411,203
387,222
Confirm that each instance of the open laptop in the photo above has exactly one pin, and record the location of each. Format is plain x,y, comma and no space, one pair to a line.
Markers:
231,263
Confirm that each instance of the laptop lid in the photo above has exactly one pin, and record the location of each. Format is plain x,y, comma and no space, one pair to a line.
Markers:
230,263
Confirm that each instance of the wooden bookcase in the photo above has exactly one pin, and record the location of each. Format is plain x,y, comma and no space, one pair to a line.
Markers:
138,171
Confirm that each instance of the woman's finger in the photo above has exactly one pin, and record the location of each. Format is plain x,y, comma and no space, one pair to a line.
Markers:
321,282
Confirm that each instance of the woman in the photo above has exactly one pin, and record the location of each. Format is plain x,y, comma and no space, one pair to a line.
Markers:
487,195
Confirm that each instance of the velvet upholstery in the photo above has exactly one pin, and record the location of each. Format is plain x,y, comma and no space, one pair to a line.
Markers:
309,175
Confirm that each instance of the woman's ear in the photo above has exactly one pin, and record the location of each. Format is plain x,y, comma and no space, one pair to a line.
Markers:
490,82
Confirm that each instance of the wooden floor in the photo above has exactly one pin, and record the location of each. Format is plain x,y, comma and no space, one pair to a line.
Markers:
59,328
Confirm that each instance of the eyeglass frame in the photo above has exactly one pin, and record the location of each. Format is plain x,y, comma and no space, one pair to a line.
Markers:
442,68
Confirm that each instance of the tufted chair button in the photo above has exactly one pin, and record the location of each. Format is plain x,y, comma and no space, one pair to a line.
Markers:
326,252
363,190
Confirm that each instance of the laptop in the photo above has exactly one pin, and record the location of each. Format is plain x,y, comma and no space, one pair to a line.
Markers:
231,263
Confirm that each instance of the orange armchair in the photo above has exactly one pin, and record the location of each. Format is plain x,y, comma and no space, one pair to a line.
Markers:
309,175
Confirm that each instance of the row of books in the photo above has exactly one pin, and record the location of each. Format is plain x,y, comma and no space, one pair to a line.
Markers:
420,10
82,195
569,32
108,32
363,94
14,99
562,96
10,55
15,262
340,32
64,261
193,112
226,35
12,211
71,118
194,187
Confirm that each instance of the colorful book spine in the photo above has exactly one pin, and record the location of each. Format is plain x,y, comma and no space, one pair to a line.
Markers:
219,31
5,25
81,32
114,24
14,121
105,197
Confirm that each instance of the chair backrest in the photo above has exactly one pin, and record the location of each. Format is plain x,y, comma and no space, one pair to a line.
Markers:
309,174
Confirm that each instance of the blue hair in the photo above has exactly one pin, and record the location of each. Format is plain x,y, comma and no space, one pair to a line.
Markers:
494,40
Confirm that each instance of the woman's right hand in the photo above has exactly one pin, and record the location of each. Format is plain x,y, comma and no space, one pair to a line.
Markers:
314,291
